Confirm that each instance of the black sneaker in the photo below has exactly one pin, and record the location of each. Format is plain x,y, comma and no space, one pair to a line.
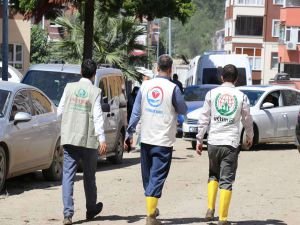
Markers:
91,214
67,221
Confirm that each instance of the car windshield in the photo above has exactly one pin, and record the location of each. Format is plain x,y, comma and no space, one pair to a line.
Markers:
195,93
4,99
51,82
213,76
253,95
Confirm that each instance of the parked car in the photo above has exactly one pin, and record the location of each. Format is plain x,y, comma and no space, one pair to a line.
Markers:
29,134
52,79
14,75
298,132
274,110
194,97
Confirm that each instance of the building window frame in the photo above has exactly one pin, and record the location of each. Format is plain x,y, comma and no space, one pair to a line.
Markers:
274,33
14,53
274,57
242,22
254,59
278,2
250,3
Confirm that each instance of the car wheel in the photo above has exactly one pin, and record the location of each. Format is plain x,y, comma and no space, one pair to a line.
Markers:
118,157
194,144
3,168
54,172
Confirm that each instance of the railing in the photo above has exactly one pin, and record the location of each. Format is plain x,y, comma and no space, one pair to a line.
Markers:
250,2
292,3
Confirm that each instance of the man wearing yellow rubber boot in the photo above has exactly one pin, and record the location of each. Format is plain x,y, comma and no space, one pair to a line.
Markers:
223,109
157,104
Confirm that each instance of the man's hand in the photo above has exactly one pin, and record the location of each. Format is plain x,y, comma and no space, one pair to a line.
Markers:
127,144
199,148
102,148
249,143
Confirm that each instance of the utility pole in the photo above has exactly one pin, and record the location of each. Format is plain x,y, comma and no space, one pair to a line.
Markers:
157,44
5,41
170,38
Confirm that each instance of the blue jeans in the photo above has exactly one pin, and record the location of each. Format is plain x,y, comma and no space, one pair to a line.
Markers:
155,163
72,156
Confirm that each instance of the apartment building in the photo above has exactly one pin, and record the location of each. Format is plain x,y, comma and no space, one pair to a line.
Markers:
289,47
19,31
252,28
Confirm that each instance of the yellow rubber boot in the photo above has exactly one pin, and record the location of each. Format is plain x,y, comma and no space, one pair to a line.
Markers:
212,189
151,205
225,197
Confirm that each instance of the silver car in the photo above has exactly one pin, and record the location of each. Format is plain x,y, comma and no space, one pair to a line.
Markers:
29,134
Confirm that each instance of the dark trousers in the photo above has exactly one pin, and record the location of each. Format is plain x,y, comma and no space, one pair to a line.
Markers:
223,161
155,163
72,156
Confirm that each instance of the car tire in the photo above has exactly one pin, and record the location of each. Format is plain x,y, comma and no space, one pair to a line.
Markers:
3,168
194,144
54,172
119,150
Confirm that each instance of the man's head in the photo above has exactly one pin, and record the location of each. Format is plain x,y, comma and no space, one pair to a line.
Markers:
88,69
175,76
164,64
230,73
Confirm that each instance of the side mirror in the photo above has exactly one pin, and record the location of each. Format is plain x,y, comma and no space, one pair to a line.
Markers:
267,105
105,107
22,117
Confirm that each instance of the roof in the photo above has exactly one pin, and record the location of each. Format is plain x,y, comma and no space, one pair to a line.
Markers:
12,86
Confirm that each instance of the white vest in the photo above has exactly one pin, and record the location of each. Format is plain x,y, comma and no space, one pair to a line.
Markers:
226,108
158,115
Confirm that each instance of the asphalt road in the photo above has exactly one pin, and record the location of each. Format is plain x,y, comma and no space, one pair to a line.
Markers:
266,191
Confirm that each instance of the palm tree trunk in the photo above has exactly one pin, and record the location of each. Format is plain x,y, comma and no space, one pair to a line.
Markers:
88,29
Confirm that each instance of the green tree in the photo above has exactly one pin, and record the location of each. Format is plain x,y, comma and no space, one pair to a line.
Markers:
39,52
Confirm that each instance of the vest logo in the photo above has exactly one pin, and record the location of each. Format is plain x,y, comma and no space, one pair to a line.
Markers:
226,104
81,93
155,96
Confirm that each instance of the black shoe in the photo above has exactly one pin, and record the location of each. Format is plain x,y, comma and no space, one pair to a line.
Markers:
67,221
91,214
210,215
224,223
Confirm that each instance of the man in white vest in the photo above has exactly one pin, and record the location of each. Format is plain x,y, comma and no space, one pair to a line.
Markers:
223,110
157,104
81,135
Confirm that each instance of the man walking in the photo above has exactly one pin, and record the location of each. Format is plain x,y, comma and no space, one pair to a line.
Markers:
223,109
157,105
81,135
177,82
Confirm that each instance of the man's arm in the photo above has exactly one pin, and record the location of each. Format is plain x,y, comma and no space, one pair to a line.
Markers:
178,101
61,105
204,118
135,116
247,119
98,120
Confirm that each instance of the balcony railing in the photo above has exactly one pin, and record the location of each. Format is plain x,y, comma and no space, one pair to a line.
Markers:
292,3
250,2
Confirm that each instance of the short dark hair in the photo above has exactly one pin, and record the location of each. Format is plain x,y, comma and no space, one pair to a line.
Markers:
88,68
175,76
164,62
230,73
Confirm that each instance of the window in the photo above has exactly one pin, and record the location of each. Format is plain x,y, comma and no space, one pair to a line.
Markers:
287,33
4,101
104,90
273,98
275,28
40,103
278,2
292,34
292,3
274,60
250,2
21,104
291,98
15,55
254,55
249,25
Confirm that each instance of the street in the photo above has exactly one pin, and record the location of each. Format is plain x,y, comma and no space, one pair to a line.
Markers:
266,191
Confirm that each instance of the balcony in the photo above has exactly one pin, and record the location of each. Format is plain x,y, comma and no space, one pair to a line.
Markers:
292,3
249,3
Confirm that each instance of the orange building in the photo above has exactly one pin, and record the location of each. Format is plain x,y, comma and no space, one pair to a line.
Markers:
289,47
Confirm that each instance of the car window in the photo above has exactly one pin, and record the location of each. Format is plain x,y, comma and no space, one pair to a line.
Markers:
4,101
41,104
52,83
290,97
104,90
274,98
21,103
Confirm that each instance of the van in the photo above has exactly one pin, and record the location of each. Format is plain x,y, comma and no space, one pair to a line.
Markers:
207,69
52,79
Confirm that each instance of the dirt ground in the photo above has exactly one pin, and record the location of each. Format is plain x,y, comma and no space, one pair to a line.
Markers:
266,191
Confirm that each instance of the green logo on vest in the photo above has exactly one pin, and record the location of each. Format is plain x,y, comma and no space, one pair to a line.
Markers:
226,104
81,93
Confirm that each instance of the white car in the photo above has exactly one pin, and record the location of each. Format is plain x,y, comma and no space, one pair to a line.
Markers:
274,110
14,75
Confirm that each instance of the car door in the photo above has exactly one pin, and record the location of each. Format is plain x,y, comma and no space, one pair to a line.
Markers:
291,101
21,136
46,124
105,99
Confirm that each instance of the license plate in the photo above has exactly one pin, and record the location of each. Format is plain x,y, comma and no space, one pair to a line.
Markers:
194,129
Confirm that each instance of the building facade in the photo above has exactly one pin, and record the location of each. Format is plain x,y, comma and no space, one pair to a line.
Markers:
19,41
289,47
252,28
